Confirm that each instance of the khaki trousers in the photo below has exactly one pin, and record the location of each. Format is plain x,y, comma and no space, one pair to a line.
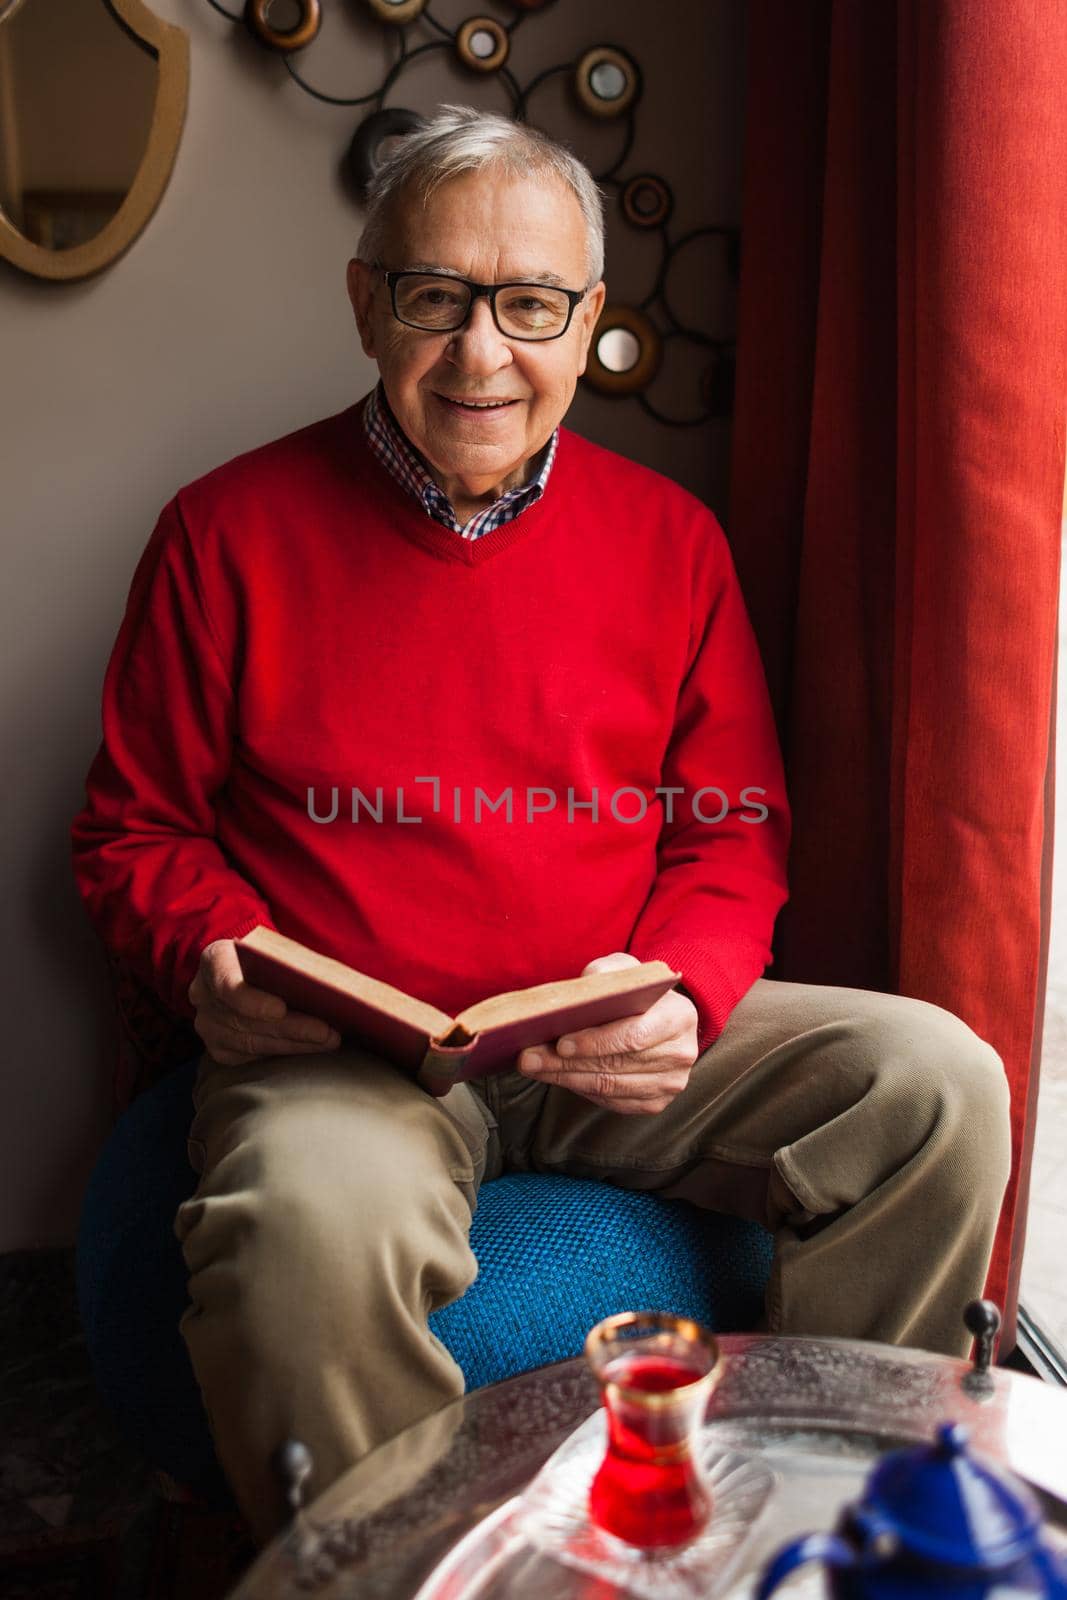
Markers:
868,1131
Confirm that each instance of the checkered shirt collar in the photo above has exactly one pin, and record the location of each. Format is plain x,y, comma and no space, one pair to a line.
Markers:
393,449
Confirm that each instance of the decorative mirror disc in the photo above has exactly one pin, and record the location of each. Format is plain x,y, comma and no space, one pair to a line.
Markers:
625,351
618,349
398,11
283,24
607,81
374,141
482,43
646,201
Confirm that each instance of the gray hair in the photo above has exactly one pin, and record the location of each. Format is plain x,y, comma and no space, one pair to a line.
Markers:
459,139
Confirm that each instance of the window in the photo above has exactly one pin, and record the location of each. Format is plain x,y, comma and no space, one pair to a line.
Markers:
1044,1279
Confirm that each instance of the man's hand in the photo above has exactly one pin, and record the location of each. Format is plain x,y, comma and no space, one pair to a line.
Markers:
238,1023
635,1065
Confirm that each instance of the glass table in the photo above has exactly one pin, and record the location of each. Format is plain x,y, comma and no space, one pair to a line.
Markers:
442,1512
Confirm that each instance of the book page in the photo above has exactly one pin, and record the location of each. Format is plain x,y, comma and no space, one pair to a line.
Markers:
514,1005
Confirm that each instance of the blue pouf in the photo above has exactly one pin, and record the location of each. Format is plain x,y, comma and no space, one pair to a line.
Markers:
555,1255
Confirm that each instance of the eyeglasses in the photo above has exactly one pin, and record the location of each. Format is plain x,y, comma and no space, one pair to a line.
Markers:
437,302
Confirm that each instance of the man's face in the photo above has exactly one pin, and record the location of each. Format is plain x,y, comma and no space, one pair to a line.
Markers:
492,229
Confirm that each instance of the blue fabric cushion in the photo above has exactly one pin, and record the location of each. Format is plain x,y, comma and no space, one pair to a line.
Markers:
555,1255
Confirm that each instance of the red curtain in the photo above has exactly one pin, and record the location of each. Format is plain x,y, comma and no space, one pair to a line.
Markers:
896,493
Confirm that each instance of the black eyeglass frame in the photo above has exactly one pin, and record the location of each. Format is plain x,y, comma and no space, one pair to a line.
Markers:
490,291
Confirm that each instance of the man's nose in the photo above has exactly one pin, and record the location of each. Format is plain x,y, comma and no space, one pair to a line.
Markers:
479,346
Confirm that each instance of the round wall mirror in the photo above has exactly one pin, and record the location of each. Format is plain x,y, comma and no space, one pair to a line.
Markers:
618,350
607,80
374,141
284,25
92,99
284,16
482,44
396,11
625,351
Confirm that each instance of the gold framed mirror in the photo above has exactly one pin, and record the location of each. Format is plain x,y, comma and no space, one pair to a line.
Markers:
92,103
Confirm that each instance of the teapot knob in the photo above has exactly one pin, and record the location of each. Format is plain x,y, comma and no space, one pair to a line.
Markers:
951,1440
982,1319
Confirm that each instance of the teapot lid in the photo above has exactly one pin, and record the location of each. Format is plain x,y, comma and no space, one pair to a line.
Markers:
945,1505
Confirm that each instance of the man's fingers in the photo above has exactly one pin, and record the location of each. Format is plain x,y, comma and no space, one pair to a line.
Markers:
625,1044
633,1065
659,1028
239,1023
625,1096
617,1087
294,1027
219,1025
235,1050
221,981
229,986
219,963
254,1003
237,1038
613,963
612,1041
632,1076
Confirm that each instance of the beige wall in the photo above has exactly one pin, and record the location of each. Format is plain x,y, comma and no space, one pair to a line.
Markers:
227,324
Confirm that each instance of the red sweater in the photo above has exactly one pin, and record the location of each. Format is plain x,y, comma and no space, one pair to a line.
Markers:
297,623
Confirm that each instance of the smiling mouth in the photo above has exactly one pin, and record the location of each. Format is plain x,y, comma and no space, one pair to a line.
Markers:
476,405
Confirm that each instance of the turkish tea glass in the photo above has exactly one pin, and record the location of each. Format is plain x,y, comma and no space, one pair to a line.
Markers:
656,1373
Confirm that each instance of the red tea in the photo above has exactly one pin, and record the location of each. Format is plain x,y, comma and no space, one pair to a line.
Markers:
647,1490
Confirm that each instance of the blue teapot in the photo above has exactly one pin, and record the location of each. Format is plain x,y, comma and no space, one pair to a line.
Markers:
934,1521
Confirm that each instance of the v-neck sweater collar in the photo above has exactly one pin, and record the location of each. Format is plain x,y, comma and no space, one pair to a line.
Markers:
408,517
394,449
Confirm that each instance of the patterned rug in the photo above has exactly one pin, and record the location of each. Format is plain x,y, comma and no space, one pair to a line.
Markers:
81,1516
179,1553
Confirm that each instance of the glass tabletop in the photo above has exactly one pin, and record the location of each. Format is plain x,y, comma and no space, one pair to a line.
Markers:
816,1411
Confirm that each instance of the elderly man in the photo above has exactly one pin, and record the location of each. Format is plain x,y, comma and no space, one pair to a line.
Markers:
531,657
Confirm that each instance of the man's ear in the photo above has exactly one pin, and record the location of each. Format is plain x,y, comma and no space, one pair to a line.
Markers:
360,281
591,307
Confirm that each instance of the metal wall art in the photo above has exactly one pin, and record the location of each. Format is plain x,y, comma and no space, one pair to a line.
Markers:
629,342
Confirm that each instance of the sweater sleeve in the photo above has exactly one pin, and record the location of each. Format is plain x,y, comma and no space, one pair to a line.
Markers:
721,856
155,882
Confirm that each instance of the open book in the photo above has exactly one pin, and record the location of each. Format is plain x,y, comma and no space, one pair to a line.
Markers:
437,1049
